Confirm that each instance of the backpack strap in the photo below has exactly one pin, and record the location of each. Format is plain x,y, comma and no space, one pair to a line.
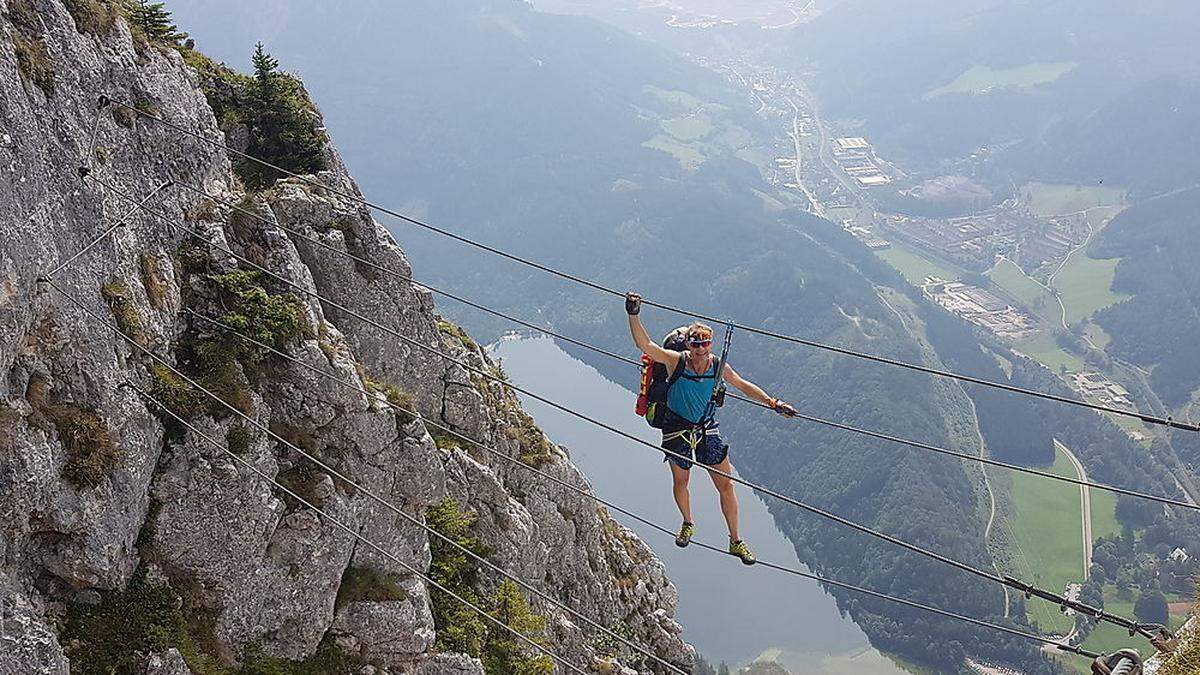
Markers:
678,369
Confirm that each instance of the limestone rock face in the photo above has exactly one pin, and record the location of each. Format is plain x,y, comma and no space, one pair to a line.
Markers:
99,487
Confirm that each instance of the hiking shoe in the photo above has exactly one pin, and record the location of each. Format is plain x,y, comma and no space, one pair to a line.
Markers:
742,551
685,535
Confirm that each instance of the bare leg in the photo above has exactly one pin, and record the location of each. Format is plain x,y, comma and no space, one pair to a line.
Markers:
679,485
729,504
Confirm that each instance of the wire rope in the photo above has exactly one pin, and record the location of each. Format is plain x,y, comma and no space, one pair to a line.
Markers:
580,343
648,523
1149,419
1026,588
357,535
365,490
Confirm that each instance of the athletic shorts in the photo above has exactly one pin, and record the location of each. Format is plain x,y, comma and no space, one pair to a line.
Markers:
710,451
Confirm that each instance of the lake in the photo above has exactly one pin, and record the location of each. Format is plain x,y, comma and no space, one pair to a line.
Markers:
730,612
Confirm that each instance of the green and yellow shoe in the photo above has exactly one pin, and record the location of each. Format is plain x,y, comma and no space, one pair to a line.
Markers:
685,535
742,551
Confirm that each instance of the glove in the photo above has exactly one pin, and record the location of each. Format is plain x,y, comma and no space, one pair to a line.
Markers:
633,303
782,408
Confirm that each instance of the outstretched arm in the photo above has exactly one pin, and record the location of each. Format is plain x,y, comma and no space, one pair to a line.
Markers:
633,305
755,392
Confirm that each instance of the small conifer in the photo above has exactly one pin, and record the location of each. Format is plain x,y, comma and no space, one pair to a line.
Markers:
153,20
503,653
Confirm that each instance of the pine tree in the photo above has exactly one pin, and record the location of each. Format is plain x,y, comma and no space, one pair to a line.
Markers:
282,125
153,21
265,73
503,653
459,628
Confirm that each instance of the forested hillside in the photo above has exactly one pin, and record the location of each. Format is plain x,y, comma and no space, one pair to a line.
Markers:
1157,327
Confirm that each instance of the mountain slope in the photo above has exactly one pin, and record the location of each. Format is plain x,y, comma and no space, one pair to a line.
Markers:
1156,327
130,543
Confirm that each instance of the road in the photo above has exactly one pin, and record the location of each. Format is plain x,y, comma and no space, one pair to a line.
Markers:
816,207
1085,502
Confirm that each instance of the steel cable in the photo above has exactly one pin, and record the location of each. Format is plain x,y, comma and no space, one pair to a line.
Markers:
1028,589
354,533
367,491
580,343
495,452
1150,419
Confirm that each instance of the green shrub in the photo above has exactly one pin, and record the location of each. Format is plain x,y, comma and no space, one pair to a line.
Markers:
503,653
362,584
444,439
91,454
271,319
191,256
282,123
222,86
218,372
94,17
175,393
115,635
328,660
116,294
459,628
152,279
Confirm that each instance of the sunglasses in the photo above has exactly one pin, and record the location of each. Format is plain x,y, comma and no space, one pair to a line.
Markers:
700,343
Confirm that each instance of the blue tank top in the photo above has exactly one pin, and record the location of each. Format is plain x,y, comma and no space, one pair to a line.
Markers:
690,394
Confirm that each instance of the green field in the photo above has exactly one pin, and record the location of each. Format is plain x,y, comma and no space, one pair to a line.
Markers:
915,266
689,127
983,79
1048,531
1084,285
1021,288
674,97
1048,199
1047,527
1104,515
1045,350
688,157
1097,335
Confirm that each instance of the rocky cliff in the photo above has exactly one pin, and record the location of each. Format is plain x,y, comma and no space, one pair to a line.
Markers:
106,502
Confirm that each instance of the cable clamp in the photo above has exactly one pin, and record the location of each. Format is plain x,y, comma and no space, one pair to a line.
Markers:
1124,662
43,279
84,171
